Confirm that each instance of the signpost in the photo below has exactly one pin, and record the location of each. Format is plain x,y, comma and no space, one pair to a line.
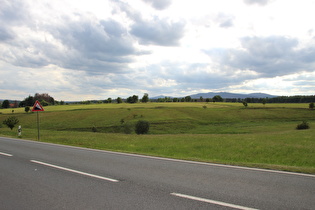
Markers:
37,108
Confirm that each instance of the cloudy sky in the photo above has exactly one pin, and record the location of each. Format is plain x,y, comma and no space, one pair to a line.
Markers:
95,49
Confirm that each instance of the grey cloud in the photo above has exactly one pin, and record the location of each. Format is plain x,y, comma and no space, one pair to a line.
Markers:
159,32
259,2
224,21
5,34
122,7
13,11
270,56
159,4
94,46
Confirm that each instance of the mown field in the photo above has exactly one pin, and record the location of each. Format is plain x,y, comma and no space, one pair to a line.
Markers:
228,133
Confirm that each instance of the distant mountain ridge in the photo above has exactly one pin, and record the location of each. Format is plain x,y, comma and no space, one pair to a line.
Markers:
223,95
232,95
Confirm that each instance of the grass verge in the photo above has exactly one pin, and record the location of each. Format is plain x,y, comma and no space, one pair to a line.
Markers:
221,133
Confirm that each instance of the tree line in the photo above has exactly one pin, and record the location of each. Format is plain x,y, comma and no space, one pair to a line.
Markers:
45,99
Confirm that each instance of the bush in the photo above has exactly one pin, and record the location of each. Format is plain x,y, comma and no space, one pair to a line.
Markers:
311,105
11,122
303,125
94,129
27,109
142,127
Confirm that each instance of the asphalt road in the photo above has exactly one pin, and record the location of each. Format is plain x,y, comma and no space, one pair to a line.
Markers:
46,176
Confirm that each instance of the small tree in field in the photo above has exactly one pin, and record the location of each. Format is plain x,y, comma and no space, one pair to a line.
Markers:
264,101
11,122
311,105
27,109
245,104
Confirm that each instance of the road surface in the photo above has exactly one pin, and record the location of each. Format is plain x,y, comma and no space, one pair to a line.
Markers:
38,175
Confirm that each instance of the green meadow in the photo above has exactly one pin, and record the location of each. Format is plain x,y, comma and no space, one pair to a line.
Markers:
260,135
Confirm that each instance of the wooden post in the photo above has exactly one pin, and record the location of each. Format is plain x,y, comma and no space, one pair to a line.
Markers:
38,126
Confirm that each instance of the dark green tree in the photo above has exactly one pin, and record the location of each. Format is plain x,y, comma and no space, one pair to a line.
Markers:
142,127
11,122
311,105
175,100
5,104
217,98
145,98
188,99
27,109
119,100
264,101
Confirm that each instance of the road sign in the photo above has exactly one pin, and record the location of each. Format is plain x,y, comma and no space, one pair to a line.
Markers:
37,107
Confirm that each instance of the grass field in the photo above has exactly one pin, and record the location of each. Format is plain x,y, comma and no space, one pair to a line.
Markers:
257,136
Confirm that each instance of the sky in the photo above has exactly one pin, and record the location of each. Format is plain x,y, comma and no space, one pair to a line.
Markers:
96,49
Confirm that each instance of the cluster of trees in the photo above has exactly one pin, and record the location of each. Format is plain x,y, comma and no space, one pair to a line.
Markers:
135,99
7,104
279,99
44,98
118,100
292,99
216,98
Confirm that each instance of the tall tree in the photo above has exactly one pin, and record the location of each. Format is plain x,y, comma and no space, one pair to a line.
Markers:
145,98
217,98
5,104
119,100
188,99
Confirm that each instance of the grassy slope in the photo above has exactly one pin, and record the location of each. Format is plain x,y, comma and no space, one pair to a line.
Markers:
223,132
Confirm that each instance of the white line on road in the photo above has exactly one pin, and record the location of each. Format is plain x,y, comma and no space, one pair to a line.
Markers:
212,201
74,171
6,154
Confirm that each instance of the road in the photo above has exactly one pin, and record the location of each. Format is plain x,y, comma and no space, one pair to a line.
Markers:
38,175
